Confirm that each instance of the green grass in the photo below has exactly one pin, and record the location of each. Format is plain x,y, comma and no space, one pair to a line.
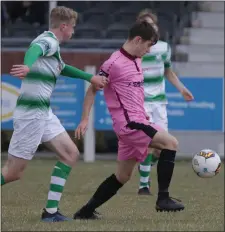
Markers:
22,201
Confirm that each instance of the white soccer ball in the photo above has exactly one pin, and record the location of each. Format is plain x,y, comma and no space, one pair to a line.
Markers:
206,163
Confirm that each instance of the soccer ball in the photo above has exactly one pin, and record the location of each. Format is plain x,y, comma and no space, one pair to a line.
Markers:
206,163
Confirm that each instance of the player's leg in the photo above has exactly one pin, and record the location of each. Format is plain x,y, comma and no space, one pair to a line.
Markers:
107,189
159,117
144,171
168,145
23,144
56,138
13,169
145,166
128,155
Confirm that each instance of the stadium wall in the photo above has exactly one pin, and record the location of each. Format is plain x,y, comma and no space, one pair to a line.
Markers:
197,125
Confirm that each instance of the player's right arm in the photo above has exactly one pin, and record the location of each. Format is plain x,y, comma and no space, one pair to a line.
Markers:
88,102
31,56
41,47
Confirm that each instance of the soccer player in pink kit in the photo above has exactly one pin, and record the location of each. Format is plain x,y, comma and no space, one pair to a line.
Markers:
124,97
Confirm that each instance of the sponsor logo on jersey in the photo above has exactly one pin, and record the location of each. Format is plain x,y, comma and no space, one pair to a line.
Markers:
136,84
44,44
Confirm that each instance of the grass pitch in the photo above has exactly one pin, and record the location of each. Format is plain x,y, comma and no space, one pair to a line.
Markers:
22,201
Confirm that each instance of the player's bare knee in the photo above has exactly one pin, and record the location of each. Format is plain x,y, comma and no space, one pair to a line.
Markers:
13,169
170,143
174,143
12,175
123,177
72,157
156,152
17,176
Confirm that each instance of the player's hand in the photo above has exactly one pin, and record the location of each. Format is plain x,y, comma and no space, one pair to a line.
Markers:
146,116
19,71
187,94
81,129
99,81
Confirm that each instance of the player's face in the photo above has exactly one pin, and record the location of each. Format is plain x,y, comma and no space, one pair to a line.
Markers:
68,30
142,47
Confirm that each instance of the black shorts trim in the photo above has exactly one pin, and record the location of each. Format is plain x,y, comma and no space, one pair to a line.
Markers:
147,129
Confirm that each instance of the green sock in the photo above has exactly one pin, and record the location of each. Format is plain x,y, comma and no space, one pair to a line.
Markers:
154,159
58,179
144,170
2,180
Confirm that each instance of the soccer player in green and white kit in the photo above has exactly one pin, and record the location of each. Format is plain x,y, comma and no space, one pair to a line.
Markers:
156,66
33,119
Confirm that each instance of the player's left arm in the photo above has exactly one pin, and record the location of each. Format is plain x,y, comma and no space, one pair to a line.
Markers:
70,71
88,102
173,78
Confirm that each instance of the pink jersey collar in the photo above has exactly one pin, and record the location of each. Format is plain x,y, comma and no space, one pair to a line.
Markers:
128,55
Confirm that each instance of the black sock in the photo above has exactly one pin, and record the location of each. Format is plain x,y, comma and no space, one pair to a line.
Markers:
106,190
165,171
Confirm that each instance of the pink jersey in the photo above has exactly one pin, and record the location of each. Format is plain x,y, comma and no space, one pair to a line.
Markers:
124,94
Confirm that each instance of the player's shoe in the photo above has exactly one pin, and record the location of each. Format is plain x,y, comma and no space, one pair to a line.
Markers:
84,215
144,191
53,217
169,204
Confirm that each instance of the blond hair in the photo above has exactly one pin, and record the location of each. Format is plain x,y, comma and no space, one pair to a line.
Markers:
62,14
147,13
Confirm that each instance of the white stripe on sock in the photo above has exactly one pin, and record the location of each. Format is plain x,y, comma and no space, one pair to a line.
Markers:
51,210
58,180
140,187
144,179
54,196
145,168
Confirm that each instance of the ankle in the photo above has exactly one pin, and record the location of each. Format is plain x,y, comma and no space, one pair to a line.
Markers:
163,195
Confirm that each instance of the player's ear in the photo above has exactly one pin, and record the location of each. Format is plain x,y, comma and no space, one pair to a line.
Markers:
62,26
137,40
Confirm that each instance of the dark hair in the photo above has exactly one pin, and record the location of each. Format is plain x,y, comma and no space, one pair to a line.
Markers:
147,13
145,30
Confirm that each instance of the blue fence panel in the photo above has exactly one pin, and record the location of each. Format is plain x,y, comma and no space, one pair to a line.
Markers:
10,87
205,113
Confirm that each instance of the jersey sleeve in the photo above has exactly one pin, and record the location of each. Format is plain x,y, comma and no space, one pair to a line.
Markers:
48,45
104,69
110,70
167,63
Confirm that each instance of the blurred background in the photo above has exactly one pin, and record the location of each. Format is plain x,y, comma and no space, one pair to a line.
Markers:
195,32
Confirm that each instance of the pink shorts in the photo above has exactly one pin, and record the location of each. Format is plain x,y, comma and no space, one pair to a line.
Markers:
133,144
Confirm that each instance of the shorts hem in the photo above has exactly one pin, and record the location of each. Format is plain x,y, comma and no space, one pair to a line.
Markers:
52,137
19,156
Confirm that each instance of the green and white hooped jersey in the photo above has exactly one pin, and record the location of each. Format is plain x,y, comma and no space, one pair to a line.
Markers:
154,64
38,85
